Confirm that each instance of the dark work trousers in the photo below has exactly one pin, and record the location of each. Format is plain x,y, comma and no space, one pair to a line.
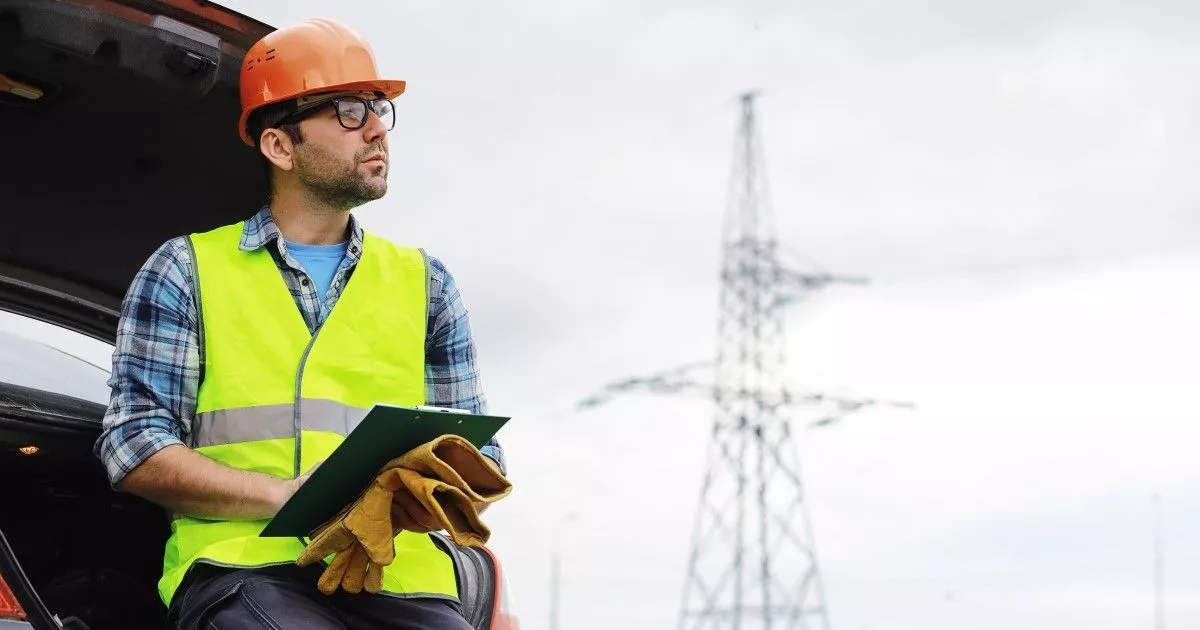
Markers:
286,597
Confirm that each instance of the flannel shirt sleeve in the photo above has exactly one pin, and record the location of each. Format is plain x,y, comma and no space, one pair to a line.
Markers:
451,371
155,366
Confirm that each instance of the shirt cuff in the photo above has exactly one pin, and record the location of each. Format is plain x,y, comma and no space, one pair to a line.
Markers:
131,444
496,454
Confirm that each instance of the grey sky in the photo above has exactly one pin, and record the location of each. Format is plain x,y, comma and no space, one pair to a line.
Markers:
1015,176
1019,179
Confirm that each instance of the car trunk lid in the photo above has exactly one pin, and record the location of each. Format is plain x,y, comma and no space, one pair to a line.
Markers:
131,140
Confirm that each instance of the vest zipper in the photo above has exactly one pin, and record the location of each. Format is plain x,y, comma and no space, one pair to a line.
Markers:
296,404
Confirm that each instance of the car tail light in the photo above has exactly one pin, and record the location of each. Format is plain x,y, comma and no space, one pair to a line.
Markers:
9,608
503,617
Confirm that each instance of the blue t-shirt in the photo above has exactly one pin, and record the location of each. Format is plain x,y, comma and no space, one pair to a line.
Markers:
320,262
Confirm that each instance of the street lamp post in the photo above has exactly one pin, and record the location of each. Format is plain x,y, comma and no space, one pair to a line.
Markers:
555,568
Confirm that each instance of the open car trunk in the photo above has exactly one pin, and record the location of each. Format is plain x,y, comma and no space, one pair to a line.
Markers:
118,122
89,552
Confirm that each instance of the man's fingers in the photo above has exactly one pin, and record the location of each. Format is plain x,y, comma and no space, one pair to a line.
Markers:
408,513
420,514
310,471
400,518
411,522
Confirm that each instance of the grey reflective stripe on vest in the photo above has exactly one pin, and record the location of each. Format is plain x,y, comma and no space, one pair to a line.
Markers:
269,422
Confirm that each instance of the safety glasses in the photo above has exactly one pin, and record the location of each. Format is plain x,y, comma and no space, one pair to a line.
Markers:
352,111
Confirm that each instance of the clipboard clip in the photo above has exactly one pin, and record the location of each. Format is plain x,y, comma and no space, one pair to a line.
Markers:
441,409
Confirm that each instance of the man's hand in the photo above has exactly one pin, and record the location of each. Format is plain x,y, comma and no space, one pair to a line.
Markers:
408,514
289,487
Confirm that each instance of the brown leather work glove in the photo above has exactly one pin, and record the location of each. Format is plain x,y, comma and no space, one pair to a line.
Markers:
353,570
360,536
456,462
450,507
357,535
447,476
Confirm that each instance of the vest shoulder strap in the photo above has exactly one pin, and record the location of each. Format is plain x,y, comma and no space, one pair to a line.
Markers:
191,239
405,254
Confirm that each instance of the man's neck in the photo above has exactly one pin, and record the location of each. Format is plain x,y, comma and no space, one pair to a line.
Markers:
309,222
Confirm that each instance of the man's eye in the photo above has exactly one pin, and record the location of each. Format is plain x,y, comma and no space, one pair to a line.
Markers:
352,110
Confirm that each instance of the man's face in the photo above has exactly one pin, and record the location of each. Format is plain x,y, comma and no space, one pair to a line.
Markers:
343,167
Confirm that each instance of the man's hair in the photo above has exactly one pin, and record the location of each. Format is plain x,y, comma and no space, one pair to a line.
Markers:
268,117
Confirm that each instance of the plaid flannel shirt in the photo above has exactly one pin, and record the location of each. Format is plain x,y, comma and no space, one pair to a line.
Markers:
156,362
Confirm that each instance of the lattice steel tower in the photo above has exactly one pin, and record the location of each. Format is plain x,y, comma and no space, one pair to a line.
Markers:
753,562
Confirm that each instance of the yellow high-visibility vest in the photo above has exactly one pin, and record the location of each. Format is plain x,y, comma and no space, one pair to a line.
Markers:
276,399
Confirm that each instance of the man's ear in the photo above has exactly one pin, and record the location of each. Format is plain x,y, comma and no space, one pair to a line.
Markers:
277,147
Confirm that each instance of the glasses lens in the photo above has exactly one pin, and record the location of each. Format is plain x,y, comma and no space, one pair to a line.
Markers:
386,112
352,112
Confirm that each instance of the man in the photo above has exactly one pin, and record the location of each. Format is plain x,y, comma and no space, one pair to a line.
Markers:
246,353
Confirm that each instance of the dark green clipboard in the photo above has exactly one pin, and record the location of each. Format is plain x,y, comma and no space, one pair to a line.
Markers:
385,433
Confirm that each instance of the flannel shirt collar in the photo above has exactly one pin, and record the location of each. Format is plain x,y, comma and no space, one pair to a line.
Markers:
261,230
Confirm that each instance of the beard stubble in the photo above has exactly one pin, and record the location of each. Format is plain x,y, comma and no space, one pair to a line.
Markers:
335,182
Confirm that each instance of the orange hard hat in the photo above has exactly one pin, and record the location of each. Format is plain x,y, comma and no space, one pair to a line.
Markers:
315,55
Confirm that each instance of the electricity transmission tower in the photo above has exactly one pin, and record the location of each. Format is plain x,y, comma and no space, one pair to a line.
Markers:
753,563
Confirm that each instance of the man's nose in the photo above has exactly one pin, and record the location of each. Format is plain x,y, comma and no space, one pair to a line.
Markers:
374,130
